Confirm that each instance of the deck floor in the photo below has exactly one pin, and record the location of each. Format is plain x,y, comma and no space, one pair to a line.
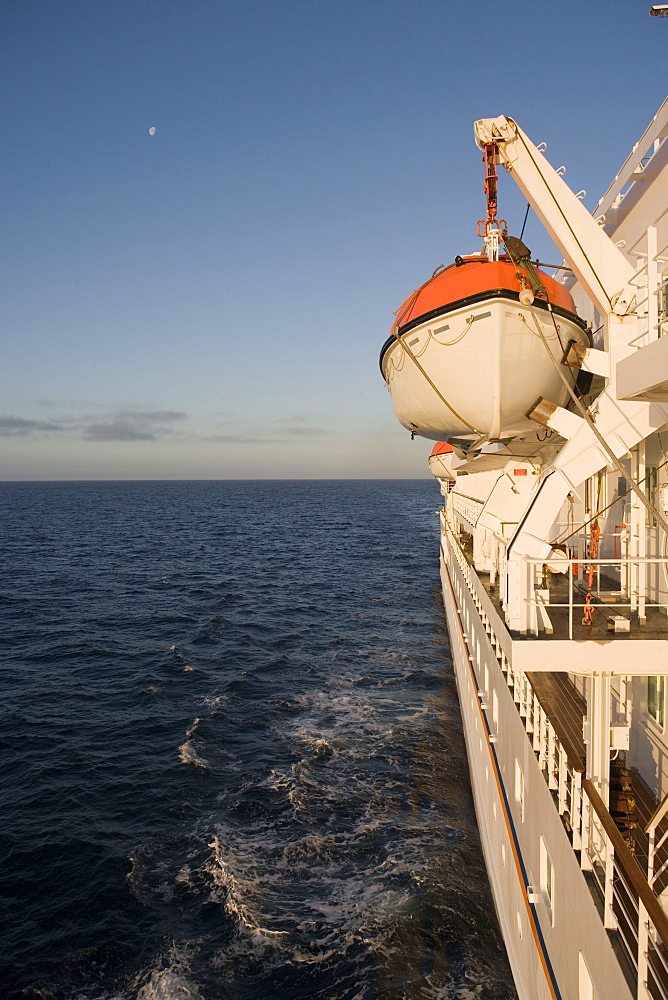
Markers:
606,601
566,710
653,626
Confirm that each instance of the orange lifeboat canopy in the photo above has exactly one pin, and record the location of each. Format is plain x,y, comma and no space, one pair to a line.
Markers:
440,461
474,280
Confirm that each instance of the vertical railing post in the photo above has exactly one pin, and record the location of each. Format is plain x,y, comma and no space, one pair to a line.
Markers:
643,949
651,836
570,599
609,920
553,765
585,860
535,723
562,781
576,809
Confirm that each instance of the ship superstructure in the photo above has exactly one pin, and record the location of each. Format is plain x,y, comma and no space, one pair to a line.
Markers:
549,395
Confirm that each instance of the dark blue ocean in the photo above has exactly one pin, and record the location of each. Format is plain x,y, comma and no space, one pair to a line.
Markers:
232,758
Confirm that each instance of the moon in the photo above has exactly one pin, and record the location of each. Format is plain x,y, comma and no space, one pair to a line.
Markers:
152,130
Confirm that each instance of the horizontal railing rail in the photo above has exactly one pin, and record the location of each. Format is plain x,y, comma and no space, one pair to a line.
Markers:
632,585
466,507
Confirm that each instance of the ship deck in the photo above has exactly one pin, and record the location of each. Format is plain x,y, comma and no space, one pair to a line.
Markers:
606,602
566,709
609,834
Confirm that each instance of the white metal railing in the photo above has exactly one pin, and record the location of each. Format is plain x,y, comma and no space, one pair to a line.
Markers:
467,508
631,573
562,777
651,281
637,161
654,873
630,907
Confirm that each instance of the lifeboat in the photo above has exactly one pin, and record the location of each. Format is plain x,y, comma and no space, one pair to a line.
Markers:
474,348
440,461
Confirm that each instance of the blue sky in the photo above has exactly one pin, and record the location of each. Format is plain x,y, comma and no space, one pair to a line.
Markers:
210,301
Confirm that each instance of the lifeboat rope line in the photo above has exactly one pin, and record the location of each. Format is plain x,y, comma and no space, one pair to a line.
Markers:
651,507
470,320
412,299
399,337
521,277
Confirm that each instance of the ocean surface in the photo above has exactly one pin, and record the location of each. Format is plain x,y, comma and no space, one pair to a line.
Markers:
232,759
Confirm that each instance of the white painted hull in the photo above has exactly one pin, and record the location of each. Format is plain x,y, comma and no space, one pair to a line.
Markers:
477,371
544,945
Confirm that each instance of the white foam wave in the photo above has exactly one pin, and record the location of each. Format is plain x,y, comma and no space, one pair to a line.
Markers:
214,701
167,985
234,890
188,752
294,787
187,667
171,982
338,909
317,744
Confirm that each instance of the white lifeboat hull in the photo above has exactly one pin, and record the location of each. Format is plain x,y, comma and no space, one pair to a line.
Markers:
475,372
440,466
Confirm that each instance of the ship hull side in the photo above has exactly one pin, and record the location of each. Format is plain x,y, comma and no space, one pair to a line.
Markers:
548,942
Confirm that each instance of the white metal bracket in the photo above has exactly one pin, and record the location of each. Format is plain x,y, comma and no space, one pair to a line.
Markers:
562,421
588,358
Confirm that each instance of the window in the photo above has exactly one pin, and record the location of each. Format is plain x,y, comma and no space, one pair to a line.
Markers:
547,878
586,991
656,697
549,885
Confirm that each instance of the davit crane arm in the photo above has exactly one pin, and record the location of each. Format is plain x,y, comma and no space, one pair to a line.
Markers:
606,276
601,268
